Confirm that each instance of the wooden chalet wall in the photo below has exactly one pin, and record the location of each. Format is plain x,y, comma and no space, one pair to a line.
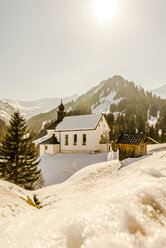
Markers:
132,151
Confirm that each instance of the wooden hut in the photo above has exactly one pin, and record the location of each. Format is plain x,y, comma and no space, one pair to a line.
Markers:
132,145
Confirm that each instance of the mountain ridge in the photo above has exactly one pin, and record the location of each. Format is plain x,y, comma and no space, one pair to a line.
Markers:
160,91
29,108
128,108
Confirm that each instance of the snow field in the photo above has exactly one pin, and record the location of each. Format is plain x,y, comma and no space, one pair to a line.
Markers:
58,168
99,206
14,200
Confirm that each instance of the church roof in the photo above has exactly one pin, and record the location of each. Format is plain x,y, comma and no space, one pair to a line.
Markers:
53,125
79,122
50,141
130,139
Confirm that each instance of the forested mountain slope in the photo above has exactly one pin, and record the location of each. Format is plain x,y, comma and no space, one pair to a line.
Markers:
128,107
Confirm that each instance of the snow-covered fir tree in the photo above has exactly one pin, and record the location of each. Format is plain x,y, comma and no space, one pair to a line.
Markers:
18,155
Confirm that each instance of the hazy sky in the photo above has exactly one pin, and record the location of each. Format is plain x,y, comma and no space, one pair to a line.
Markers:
54,48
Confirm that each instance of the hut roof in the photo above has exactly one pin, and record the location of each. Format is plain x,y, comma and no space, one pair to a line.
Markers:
50,141
130,138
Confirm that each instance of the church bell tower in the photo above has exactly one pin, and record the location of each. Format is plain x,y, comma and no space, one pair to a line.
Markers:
61,113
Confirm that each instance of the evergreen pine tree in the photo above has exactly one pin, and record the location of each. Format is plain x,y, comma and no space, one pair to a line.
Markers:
2,127
18,155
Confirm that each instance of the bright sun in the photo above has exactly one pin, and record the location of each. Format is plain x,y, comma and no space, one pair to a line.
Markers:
105,9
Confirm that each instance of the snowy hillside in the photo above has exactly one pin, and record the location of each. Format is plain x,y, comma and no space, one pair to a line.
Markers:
99,206
99,98
58,168
14,200
128,107
31,108
5,110
103,105
161,91
96,100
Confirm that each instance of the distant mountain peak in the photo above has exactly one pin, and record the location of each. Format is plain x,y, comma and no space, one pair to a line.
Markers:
161,92
30,108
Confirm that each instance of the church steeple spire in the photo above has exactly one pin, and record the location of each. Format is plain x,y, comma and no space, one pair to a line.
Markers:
61,106
61,113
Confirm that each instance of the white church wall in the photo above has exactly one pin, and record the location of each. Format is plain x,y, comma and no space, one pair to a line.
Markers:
42,149
93,138
56,149
91,141
50,149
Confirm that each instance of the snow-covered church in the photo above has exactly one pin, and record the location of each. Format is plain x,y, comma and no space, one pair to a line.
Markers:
76,134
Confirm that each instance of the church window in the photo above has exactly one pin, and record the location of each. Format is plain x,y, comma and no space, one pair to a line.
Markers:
66,140
75,139
84,139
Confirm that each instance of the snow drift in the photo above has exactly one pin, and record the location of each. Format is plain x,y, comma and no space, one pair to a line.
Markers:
99,206
58,168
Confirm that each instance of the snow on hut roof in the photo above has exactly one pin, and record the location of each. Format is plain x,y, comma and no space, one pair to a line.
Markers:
79,122
50,141
130,138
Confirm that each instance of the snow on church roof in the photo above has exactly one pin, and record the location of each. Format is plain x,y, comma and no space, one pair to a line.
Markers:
79,122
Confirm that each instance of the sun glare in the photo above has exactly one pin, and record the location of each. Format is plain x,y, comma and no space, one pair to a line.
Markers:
105,9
